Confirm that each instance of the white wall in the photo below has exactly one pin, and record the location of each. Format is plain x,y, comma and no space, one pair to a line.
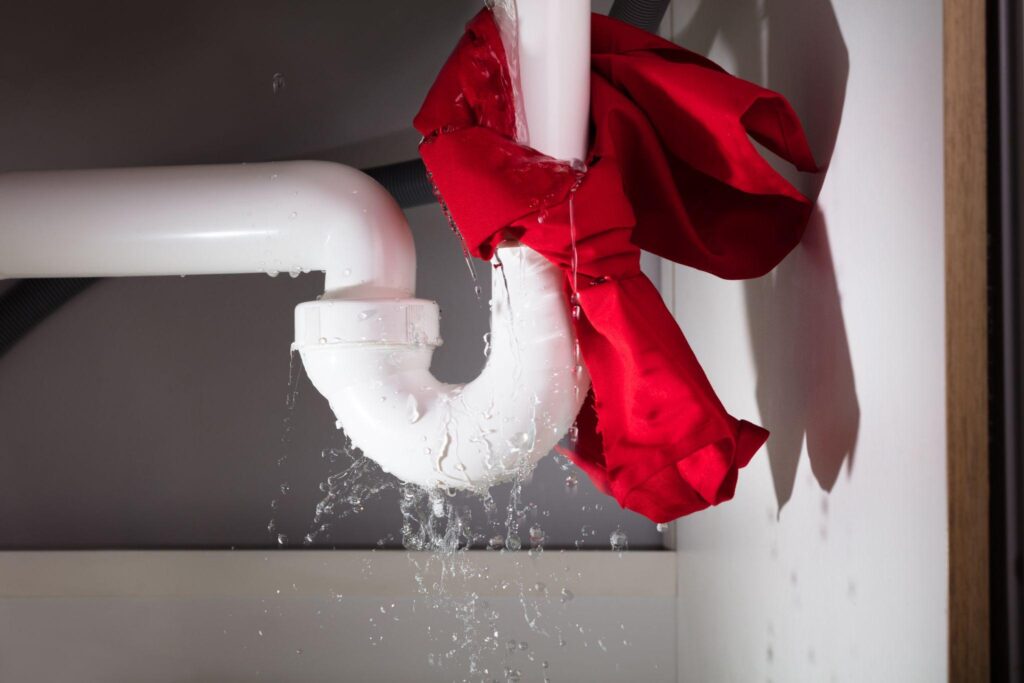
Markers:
831,563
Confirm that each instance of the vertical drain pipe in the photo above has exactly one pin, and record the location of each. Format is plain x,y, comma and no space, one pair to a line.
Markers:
554,71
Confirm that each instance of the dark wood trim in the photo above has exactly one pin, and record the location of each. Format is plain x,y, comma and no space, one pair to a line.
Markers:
967,402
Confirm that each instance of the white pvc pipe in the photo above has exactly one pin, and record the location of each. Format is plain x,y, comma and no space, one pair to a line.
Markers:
554,70
295,216
367,345
526,398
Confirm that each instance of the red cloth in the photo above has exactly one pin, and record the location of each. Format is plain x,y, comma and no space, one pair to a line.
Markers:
671,170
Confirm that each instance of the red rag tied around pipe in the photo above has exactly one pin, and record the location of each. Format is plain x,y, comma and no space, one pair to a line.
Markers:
671,169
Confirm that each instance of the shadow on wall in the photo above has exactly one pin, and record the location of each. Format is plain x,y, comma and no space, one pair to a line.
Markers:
805,382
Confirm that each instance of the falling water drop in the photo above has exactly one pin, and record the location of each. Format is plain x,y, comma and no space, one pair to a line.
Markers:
619,540
412,408
536,536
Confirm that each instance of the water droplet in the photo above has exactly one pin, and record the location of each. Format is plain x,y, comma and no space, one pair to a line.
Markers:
412,408
285,488
496,543
536,536
567,595
277,83
282,540
512,542
571,483
662,527
619,540
273,273
437,507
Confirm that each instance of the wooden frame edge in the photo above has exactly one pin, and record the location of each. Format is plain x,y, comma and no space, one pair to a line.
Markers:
967,388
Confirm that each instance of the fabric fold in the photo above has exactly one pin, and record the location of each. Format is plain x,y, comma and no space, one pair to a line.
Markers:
671,169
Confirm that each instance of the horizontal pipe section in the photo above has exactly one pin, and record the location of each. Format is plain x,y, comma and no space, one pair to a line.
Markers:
280,217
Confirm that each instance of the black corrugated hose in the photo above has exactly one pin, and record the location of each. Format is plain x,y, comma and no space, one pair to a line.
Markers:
645,14
29,302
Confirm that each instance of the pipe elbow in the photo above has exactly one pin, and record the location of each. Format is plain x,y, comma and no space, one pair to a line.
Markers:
360,236
377,378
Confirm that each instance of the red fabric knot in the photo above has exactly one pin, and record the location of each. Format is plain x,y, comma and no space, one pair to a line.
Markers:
671,170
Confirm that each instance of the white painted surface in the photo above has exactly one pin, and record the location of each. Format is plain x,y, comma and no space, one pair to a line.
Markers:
217,640
327,616
840,353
